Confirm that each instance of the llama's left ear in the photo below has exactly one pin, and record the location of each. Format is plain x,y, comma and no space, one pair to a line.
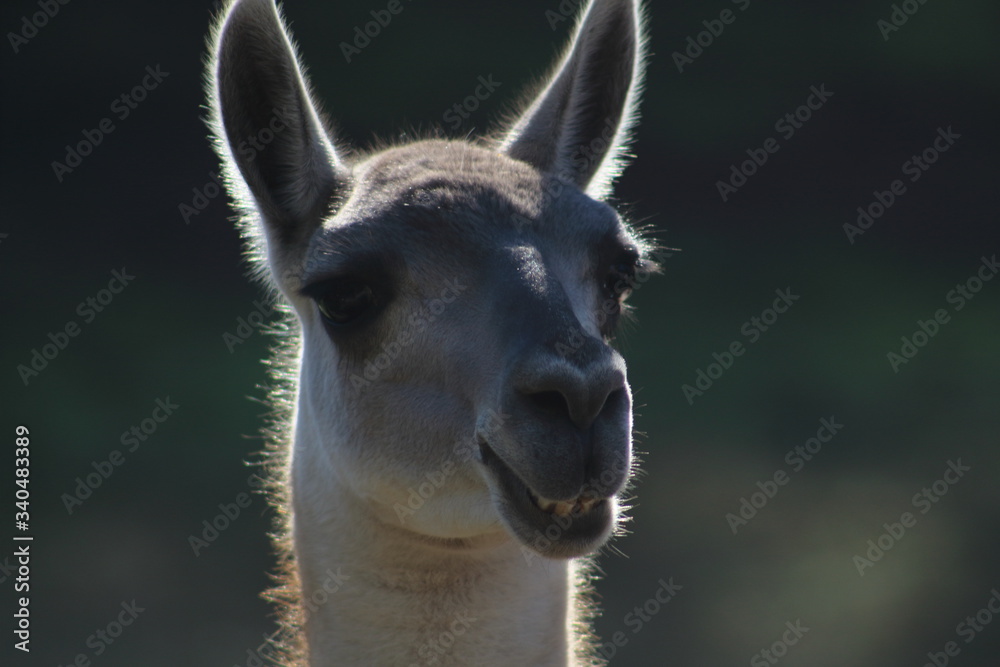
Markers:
267,125
578,126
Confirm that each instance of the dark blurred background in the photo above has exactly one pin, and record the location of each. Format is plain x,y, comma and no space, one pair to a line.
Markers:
163,336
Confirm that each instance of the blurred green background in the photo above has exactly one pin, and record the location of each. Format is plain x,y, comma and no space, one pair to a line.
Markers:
162,336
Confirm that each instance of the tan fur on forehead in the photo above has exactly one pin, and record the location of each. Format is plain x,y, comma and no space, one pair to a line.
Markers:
436,174
458,192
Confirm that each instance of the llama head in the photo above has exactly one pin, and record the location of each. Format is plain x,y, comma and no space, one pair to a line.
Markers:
456,300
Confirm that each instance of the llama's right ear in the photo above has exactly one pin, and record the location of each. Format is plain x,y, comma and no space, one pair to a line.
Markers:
579,125
273,134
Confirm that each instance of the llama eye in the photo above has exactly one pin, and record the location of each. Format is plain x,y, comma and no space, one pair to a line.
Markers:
344,301
619,281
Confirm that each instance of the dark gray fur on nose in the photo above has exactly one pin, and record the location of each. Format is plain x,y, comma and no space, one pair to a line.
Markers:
578,387
569,397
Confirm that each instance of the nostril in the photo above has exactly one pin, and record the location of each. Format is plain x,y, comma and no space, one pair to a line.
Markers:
616,400
557,390
551,402
581,409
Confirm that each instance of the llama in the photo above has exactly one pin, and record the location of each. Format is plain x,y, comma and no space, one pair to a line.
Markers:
456,439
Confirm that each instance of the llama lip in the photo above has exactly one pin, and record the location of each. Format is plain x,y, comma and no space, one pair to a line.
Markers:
513,484
579,505
554,528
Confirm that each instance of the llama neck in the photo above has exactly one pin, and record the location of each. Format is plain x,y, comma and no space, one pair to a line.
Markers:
375,594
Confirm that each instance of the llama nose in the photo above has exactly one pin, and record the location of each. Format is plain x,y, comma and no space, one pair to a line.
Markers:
583,392
571,420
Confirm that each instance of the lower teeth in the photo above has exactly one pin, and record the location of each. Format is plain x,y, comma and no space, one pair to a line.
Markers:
562,508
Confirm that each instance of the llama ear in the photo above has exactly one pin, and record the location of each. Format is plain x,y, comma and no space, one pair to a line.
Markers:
578,126
261,104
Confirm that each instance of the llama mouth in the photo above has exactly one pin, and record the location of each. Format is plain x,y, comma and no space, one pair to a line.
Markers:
581,504
553,528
